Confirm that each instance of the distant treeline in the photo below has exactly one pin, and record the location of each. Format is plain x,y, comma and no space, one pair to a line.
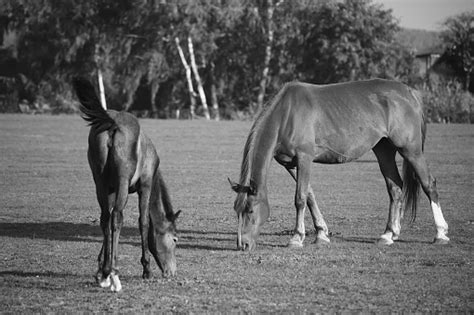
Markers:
211,58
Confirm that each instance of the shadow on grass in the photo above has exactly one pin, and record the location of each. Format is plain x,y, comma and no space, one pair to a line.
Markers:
80,232
30,274
374,240
61,231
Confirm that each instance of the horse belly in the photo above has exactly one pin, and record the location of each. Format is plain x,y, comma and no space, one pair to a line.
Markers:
140,162
342,148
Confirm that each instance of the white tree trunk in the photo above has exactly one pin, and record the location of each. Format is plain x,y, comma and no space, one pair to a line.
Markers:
268,54
197,77
101,89
214,102
192,94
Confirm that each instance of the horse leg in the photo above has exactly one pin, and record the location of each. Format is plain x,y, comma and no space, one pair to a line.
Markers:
144,200
428,183
301,197
320,226
103,274
103,200
116,226
385,153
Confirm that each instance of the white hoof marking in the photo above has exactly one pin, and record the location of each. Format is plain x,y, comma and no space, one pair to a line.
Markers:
296,241
105,282
385,239
322,238
116,285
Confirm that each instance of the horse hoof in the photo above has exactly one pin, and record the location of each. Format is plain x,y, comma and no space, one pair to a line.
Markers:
116,286
105,282
295,244
441,241
98,277
147,275
322,240
384,241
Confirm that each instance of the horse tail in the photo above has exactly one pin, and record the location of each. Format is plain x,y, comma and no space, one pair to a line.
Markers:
411,185
92,110
410,190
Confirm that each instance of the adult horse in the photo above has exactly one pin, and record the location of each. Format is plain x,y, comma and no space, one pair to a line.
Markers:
123,160
336,123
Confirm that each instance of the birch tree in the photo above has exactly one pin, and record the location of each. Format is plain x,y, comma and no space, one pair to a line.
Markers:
197,77
189,80
268,52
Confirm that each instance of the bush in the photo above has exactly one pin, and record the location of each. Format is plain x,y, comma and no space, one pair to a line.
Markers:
447,102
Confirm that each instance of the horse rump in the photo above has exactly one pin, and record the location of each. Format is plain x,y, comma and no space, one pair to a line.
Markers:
92,110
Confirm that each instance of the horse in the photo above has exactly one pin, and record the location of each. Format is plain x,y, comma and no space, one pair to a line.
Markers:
332,124
123,160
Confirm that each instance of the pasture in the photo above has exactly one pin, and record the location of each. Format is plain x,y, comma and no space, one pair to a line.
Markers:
50,235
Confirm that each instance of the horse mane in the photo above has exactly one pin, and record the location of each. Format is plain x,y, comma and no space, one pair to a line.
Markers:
249,148
165,197
159,194
257,125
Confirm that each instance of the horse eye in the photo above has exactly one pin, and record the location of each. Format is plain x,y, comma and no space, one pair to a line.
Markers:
175,239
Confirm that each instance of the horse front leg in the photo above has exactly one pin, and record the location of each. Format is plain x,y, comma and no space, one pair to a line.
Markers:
322,232
144,226
301,197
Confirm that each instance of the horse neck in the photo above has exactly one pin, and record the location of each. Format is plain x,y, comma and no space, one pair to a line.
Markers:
261,154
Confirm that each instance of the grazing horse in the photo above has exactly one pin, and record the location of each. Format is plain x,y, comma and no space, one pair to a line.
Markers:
336,123
123,160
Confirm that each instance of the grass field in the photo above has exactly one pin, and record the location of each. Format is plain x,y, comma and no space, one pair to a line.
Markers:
50,237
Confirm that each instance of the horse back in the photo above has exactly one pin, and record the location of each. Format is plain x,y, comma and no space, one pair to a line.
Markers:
343,121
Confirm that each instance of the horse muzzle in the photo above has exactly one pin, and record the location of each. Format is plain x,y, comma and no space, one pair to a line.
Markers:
246,243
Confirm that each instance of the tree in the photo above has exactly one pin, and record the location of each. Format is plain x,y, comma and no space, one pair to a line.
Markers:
269,32
242,51
340,41
189,79
459,36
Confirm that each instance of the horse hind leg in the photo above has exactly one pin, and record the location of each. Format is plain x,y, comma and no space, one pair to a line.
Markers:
116,226
428,183
385,153
104,202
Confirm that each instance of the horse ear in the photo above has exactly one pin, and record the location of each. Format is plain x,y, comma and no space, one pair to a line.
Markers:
235,187
176,215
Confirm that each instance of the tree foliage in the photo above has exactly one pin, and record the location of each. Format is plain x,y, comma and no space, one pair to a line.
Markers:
459,36
132,42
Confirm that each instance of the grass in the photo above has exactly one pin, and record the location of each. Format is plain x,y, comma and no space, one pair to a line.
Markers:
50,235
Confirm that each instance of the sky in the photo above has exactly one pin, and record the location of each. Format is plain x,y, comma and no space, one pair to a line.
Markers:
426,14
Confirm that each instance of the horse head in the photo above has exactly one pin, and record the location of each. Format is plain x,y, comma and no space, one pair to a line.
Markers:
252,210
166,239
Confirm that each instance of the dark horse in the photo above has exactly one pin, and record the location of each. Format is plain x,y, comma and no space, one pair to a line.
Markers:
123,160
336,123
